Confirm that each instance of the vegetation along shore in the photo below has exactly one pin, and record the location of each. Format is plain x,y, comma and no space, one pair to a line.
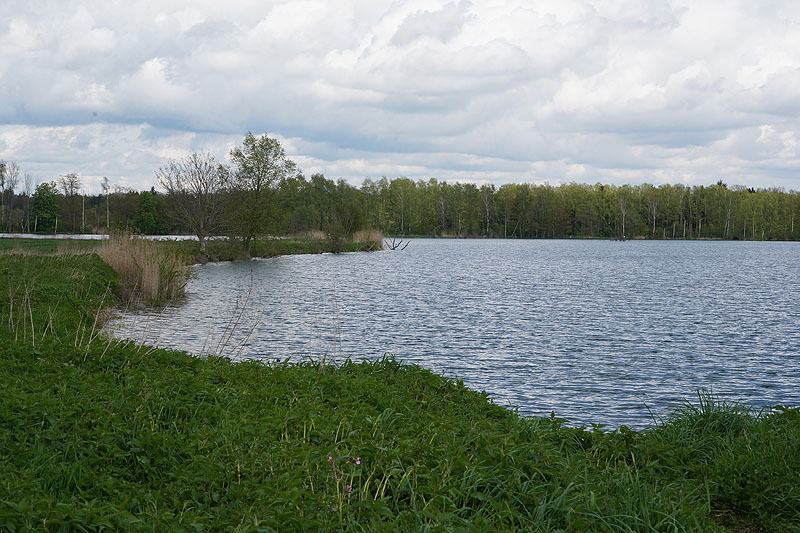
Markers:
263,192
97,433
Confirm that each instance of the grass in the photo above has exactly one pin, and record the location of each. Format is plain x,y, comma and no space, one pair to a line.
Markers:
59,296
149,268
107,434
231,250
216,249
12,244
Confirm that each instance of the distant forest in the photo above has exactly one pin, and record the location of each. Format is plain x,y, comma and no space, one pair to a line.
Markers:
295,204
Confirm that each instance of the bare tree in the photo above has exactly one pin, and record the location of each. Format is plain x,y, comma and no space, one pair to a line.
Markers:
194,185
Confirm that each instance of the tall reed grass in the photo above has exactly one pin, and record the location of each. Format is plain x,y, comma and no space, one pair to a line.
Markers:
373,237
156,272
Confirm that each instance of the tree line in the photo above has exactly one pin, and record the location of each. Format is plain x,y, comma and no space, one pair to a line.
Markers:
262,192
526,210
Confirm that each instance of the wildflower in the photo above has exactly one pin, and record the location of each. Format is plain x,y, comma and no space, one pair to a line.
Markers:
358,460
348,489
330,460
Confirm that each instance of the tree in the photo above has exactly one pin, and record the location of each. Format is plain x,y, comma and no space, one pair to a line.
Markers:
149,218
506,197
487,195
9,178
194,185
3,169
29,189
106,186
45,207
652,198
259,166
624,197
70,184
146,214
345,215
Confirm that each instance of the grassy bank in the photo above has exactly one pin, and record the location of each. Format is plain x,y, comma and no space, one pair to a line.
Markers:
216,250
225,250
46,246
98,434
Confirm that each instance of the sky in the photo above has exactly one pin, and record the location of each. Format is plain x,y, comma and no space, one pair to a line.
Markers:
613,91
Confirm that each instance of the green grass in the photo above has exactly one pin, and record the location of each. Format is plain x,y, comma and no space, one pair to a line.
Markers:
13,244
123,437
62,295
216,250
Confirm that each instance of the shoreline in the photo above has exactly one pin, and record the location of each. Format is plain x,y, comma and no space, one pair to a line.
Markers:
101,433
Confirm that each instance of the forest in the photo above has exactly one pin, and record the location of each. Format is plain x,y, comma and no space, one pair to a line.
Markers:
261,192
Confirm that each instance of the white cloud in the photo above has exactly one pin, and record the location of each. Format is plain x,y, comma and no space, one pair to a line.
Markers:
559,90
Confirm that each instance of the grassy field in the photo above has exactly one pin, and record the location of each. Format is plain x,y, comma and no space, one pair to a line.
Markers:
98,434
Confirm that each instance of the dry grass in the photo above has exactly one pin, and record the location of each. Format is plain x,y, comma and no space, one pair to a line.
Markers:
156,272
315,234
372,236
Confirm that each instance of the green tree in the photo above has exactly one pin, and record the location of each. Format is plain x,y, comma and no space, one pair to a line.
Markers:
70,185
150,216
259,166
45,207
146,213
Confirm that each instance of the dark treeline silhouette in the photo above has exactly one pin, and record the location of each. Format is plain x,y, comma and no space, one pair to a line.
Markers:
294,204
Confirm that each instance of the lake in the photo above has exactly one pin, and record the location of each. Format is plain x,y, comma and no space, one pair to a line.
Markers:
595,331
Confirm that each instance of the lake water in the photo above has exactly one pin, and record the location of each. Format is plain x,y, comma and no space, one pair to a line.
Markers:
596,331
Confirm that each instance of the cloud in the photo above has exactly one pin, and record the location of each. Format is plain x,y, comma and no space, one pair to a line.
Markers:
441,25
612,90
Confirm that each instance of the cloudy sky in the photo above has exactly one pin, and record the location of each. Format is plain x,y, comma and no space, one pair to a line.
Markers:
617,91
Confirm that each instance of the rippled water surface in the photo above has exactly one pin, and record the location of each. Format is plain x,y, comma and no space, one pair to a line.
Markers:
596,331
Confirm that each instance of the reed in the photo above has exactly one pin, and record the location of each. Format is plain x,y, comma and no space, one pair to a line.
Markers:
159,273
373,237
